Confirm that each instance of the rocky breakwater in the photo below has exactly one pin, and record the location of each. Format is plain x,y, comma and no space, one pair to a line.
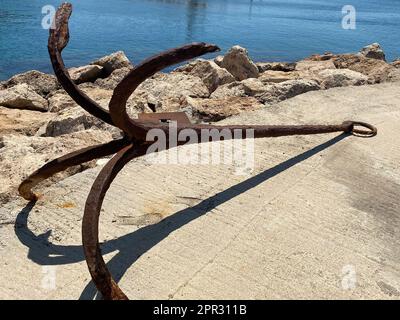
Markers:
39,121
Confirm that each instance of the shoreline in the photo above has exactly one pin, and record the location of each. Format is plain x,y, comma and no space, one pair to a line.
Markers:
170,69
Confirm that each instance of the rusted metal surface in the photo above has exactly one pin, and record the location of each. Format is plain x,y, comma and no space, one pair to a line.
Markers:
135,130
141,72
58,40
90,224
64,162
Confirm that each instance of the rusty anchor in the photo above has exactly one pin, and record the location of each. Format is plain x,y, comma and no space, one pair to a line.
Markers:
134,143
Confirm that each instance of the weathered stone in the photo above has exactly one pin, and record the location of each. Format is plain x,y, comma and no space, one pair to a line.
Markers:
208,71
373,51
114,61
40,82
209,110
218,60
396,63
248,87
278,76
87,73
100,95
276,66
188,67
25,122
376,70
321,57
22,96
72,120
281,91
310,68
21,155
233,89
60,100
71,117
331,78
238,63
113,79
172,85
253,87
265,93
393,75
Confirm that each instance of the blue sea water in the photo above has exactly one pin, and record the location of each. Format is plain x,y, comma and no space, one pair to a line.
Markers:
280,30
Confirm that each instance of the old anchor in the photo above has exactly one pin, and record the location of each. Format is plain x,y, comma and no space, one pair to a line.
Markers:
134,143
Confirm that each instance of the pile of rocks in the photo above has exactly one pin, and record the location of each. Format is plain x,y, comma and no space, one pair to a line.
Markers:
39,121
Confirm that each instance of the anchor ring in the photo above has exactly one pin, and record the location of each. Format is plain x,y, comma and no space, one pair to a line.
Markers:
371,132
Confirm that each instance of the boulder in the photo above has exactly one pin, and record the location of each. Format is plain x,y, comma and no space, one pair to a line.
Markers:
212,75
100,95
22,96
70,117
218,60
163,88
320,57
238,63
331,78
396,63
276,66
281,91
71,120
233,89
113,79
87,73
278,76
210,110
265,93
114,61
393,75
60,100
376,70
21,155
188,67
40,82
373,51
310,68
24,122
252,87
163,91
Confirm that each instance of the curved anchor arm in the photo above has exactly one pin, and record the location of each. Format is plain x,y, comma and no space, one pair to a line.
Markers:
140,73
66,161
58,40
90,224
